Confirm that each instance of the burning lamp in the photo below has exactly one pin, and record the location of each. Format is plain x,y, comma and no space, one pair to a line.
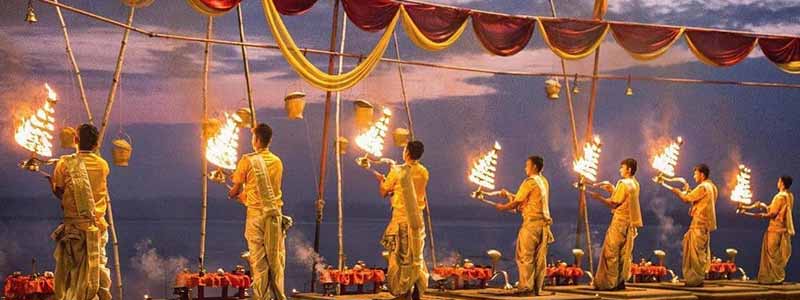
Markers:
731,254
372,140
665,163
35,133
222,149
660,255
578,253
30,17
742,194
586,165
483,172
552,87
575,89
629,89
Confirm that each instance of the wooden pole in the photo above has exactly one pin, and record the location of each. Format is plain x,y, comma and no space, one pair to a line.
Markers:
320,203
340,198
246,69
411,132
204,139
74,65
115,244
583,222
115,81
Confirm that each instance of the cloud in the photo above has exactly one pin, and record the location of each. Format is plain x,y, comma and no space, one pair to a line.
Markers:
679,6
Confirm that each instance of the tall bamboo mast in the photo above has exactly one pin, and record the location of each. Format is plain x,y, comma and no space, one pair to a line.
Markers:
246,69
204,139
583,220
115,80
320,203
74,63
340,198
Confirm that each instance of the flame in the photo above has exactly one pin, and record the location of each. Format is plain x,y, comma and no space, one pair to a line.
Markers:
484,169
587,165
222,149
666,161
371,141
741,193
35,133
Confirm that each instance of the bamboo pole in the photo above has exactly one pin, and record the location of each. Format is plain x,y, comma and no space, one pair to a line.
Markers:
246,69
675,80
115,81
115,245
340,198
583,221
411,132
320,203
587,137
74,65
204,139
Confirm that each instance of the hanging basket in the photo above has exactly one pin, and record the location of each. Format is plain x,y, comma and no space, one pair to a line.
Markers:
401,137
342,142
67,137
122,151
295,104
211,127
243,118
552,87
362,114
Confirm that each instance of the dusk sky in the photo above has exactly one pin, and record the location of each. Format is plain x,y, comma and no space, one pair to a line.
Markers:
458,114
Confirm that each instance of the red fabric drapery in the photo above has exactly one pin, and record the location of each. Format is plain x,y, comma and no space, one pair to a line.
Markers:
192,280
784,52
573,39
213,7
502,35
371,15
437,23
717,48
475,273
23,287
644,41
352,277
293,7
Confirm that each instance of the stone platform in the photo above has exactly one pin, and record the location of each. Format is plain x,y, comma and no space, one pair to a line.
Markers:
787,290
500,294
716,291
637,293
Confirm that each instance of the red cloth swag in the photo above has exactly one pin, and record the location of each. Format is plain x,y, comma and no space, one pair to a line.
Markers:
644,41
293,7
371,15
717,48
437,23
502,35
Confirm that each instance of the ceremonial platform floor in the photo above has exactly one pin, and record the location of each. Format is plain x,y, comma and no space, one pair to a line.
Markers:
712,290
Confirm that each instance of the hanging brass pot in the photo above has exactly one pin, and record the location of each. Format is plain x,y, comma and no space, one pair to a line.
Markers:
552,87
122,151
295,104
401,137
67,137
362,114
243,118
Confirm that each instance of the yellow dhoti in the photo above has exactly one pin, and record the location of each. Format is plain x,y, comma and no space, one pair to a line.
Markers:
265,241
532,241
696,255
406,261
775,252
615,262
81,273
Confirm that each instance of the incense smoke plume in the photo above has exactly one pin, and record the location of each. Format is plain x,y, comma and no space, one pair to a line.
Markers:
304,253
451,257
668,230
155,272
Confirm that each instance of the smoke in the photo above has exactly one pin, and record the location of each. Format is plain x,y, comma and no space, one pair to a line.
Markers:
657,127
302,251
451,257
660,206
153,266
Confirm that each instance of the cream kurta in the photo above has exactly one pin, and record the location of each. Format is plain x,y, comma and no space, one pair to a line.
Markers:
697,240
534,233
615,262
777,245
262,172
404,237
81,272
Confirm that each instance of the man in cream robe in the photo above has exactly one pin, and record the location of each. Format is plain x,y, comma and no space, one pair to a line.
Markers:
697,240
614,267
80,181
532,201
777,245
404,237
257,184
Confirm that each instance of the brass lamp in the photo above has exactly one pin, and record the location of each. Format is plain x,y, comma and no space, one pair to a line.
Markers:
578,253
30,17
552,87
660,255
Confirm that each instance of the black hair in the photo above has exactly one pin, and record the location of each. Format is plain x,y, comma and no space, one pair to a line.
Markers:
537,161
87,137
631,164
787,181
264,133
415,149
703,168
